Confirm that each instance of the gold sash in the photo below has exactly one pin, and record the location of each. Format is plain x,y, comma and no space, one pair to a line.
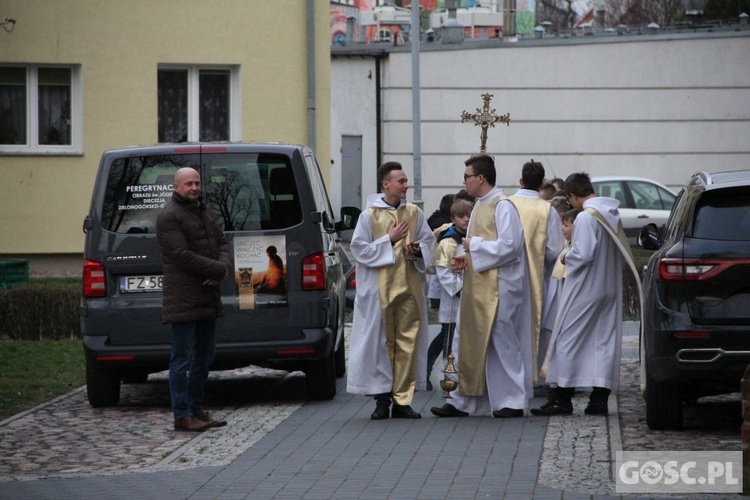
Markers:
401,302
534,213
621,242
479,303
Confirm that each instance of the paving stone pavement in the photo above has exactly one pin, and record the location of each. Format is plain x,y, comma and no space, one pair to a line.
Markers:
278,445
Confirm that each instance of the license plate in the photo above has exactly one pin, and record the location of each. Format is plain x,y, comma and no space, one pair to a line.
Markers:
137,284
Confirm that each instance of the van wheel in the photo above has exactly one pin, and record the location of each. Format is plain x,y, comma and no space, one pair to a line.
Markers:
135,378
321,378
102,385
663,405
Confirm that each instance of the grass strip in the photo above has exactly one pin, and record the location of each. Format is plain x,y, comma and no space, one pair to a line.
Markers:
32,372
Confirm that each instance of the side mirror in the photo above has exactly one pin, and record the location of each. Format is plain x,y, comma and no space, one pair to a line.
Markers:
349,217
650,237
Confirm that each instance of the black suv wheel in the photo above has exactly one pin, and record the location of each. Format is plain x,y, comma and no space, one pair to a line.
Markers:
663,405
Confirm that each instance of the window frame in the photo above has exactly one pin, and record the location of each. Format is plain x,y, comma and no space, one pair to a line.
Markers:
193,90
32,146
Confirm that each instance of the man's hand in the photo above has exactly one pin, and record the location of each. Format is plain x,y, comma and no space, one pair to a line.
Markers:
210,282
398,231
458,263
466,242
412,248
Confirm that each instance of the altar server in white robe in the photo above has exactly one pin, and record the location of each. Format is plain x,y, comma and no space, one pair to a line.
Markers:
493,342
392,245
586,340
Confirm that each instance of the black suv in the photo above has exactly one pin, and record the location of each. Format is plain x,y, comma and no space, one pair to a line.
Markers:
696,314
272,204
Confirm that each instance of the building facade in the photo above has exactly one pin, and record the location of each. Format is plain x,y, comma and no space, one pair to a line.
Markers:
78,77
656,106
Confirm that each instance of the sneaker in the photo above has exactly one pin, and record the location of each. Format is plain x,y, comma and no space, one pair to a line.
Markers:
554,407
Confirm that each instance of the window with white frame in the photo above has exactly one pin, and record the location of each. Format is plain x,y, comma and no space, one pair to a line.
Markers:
40,109
195,104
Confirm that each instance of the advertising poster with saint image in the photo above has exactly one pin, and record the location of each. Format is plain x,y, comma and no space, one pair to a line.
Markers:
260,271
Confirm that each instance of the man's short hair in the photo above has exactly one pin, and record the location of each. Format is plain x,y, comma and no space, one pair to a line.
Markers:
386,169
445,203
579,184
547,191
461,207
485,165
532,174
464,195
560,203
570,215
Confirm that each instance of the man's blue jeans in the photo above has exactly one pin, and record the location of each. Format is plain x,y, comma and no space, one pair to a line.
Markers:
193,346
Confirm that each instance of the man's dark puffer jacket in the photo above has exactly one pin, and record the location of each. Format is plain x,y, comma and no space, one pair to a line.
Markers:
193,250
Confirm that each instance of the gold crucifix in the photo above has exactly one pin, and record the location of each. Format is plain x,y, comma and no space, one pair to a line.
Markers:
485,117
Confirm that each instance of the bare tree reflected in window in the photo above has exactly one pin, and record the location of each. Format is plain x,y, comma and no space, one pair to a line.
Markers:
237,201
122,210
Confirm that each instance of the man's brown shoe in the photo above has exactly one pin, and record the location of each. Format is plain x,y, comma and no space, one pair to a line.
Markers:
206,417
190,424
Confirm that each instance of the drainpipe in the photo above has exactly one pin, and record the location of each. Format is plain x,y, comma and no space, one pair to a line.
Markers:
311,136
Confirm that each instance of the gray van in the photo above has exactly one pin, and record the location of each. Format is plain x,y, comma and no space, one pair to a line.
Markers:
271,201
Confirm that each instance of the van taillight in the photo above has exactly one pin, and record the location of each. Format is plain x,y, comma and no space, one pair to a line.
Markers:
314,272
94,283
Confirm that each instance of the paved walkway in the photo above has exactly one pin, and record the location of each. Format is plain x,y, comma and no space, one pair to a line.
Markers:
277,445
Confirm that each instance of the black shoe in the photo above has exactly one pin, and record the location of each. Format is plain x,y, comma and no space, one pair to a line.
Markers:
596,408
507,413
448,410
382,411
404,411
553,407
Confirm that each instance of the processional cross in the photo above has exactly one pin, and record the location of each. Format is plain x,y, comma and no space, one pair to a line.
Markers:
485,117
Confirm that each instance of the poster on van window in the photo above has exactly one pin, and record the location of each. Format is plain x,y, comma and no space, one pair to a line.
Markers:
260,271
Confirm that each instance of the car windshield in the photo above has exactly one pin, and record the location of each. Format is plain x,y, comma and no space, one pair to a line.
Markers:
723,214
245,191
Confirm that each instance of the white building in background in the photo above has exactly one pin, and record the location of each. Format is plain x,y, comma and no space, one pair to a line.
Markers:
656,106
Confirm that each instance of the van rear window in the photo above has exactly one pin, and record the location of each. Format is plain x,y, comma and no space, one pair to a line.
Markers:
249,191
245,191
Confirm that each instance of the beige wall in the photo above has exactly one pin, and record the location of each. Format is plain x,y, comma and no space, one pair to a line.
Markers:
119,45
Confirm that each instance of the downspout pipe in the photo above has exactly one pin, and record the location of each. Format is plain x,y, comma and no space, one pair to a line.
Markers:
311,87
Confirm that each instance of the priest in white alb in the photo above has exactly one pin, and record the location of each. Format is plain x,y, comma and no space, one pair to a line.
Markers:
492,344
392,246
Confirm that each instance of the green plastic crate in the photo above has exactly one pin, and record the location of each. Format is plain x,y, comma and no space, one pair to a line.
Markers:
13,272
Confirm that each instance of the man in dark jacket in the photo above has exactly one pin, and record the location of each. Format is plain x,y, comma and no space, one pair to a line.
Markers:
196,259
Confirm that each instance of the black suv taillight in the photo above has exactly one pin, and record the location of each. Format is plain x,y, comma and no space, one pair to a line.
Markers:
671,269
314,272
94,282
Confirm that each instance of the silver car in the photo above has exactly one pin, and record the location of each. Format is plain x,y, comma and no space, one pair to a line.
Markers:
642,201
